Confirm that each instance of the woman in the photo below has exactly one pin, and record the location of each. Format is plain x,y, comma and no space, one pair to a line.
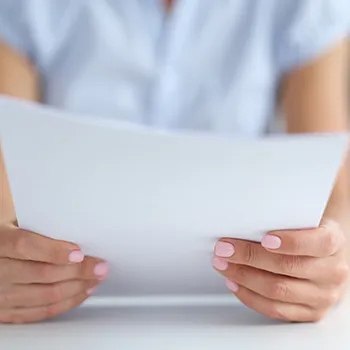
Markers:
193,64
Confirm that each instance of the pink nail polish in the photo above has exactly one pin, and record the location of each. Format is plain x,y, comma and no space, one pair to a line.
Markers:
232,286
224,249
271,242
101,270
220,264
76,256
90,291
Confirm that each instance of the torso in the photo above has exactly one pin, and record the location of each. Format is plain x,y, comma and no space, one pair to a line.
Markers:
168,4
206,65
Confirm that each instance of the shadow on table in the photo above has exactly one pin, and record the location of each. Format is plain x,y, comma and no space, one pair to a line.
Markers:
192,316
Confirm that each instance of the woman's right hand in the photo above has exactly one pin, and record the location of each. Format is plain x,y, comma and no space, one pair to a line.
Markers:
41,278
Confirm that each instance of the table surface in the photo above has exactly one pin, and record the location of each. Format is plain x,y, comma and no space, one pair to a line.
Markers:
177,327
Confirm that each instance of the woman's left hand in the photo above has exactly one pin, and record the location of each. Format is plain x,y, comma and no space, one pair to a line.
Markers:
296,275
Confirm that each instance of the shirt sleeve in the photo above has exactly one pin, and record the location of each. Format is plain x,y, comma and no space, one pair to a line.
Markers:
309,28
14,29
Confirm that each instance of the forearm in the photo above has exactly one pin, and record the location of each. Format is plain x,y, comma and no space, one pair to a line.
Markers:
338,207
315,99
6,207
19,79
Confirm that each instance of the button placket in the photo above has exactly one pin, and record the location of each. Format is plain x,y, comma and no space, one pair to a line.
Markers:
165,101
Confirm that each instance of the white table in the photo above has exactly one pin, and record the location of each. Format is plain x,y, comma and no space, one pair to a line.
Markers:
169,328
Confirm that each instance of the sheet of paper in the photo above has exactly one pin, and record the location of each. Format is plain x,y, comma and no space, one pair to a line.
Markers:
153,203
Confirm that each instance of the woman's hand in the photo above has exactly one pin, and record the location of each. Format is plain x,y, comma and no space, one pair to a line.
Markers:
42,278
292,276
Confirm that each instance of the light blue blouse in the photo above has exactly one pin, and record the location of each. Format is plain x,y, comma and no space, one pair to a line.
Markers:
210,65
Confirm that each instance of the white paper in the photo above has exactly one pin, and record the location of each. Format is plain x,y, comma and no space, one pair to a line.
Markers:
154,203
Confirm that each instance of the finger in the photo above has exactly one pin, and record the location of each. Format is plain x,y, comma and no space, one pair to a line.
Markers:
35,314
31,272
320,242
277,287
35,295
275,309
24,245
254,255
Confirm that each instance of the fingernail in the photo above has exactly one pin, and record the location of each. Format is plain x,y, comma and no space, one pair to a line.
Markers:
232,286
271,242
76,256
101,270
220,264
90,291
224,249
